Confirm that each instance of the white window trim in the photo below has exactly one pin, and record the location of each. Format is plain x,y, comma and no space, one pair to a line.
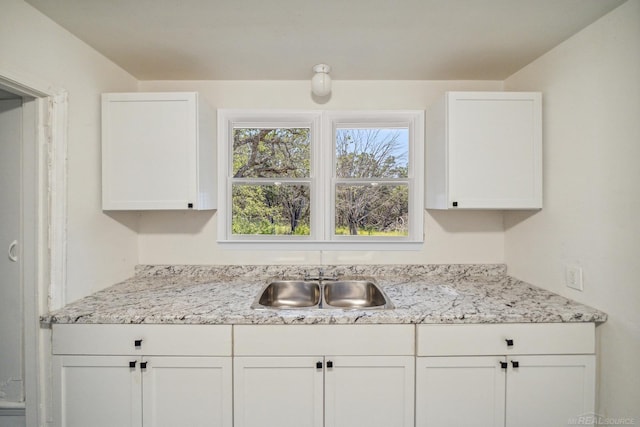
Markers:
323,126
414,122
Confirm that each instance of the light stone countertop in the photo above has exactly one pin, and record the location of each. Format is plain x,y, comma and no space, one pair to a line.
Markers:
420,293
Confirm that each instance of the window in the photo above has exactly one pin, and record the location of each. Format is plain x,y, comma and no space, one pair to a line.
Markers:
271,181
321,179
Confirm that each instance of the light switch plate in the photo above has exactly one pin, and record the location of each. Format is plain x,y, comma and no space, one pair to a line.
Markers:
573,277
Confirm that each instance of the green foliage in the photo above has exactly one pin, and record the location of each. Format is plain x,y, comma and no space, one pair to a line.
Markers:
271,153
270,209
344,231
376,154
245,226
283,209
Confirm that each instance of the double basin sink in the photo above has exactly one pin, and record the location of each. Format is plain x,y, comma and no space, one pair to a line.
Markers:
322,294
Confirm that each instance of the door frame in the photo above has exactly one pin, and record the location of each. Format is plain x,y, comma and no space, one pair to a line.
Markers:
43,234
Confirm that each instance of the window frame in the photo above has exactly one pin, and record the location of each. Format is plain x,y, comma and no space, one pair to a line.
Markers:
411,120
230,119
322,179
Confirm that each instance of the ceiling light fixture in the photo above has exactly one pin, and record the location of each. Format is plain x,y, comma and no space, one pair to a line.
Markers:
321,81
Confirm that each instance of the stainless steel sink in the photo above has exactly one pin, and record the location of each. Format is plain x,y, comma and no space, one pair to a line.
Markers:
354,294
289,294
322,293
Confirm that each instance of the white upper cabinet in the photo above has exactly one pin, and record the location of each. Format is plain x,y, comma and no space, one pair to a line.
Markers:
484,151
158,152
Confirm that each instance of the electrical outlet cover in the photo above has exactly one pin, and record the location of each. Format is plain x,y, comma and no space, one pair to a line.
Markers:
573,277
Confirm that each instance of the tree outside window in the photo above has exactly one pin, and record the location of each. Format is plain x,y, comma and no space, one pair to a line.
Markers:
379,205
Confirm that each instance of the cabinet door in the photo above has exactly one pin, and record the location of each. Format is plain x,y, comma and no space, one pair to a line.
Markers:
372,391
149,151
278,392
549,390
188,391
97,391
495,150
460,391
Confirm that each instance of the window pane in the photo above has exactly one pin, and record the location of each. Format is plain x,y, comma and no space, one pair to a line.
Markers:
372,210
372,153
271,153
272,209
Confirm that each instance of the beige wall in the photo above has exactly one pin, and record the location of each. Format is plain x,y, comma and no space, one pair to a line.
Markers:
591,87
101,250
190,237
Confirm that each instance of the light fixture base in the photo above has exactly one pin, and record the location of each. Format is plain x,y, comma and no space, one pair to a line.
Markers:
321,68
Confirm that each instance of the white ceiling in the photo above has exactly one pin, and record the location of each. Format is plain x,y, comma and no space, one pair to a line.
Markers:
359,39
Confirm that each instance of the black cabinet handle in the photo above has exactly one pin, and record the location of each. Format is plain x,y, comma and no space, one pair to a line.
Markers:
509,342
504,365
515,364
132,364
143,365
329,364
137,343
318,365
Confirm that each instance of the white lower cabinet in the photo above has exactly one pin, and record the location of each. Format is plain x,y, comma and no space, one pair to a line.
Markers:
141,388
336,391
549,390
460,391
351,380
187,391
484,375
168,391
459,384
98,391
373,391
278,391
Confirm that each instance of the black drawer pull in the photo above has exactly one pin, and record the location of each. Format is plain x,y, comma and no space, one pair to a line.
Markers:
329,364
137,343
318,365
143,365
515,364
504,365
132,364
509,342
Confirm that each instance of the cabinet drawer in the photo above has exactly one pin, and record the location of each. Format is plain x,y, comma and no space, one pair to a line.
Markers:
538,338
313,340
167,340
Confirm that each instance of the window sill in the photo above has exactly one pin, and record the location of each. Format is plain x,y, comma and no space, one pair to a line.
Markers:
321,245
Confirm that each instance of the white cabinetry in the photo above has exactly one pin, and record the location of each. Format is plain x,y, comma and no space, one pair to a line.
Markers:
485,375
549,390
460,391
99,391
317,375
375,391
158,152
278,391
142,375
516,375
484,151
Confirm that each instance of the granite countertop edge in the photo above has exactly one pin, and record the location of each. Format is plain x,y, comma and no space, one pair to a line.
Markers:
422,294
